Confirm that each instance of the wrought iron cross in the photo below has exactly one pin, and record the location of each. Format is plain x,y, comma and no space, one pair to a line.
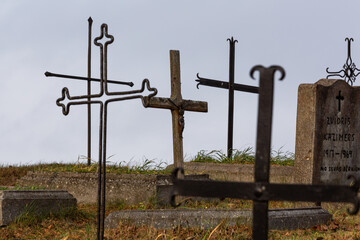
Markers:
89,79
231,86
349,68
178,106
261,191
96,99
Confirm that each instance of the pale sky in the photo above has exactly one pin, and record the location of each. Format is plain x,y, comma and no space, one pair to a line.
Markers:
304,37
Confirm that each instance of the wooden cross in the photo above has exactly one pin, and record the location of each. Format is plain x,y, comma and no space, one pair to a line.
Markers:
103,103
261,191
231,86
178,106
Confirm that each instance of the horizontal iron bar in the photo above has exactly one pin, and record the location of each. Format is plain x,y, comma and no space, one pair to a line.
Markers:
221,84
265,191
49,74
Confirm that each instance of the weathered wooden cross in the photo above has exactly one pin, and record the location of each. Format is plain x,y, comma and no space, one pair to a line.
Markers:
261,191
178,106
231,86
89,79
96,99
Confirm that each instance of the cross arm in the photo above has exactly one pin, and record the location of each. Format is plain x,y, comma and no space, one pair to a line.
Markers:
222,84
167,103
50,74
266,191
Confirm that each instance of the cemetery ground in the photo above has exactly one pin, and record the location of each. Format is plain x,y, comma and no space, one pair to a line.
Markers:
81,223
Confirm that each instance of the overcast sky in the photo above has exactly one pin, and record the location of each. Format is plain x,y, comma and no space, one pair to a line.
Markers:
304,37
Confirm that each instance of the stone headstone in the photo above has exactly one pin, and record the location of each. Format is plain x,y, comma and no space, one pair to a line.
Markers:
13,203
327,132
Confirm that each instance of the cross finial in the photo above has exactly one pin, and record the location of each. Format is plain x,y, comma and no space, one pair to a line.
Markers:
104,32
232,40
103,54
349,68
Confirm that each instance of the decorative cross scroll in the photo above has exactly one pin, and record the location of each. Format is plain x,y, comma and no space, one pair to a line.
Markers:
231,86
261,191
96,99
178,106
89,79
349,68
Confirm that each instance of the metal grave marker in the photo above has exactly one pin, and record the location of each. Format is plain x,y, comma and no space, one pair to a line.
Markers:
178,106
349,68
89,79
261,191
231,86
96,99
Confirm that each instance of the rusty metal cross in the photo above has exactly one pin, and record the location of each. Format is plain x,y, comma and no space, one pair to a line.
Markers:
89,79
261,191
96,99
231,86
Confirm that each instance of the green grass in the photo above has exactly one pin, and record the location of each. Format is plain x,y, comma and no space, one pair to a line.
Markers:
9,174
147,167
245,156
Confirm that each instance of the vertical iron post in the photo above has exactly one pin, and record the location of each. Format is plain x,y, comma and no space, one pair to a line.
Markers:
89,92
231,97
263,148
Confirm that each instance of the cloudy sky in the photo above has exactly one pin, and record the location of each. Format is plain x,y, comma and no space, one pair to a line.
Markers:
304,37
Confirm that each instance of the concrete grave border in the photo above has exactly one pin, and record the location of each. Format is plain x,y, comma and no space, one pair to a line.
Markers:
279,219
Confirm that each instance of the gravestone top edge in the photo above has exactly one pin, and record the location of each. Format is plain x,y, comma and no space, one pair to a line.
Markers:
327,83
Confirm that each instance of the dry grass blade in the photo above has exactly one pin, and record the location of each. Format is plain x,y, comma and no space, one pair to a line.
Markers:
160,235
215,229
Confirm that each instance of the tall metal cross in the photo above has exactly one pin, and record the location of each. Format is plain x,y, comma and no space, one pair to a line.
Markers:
261,191
96,99
178,106
231,86
89,79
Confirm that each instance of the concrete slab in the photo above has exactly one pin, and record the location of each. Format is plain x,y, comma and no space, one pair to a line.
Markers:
209,218
14,202
130,188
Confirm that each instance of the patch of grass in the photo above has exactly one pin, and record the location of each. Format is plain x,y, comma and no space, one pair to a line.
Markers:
9,174
67,224
32,215
245,156
147,167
